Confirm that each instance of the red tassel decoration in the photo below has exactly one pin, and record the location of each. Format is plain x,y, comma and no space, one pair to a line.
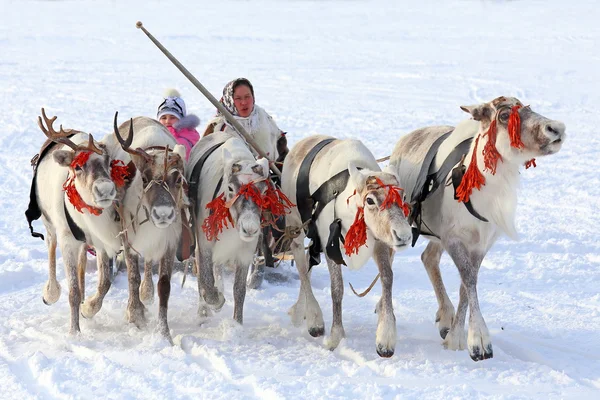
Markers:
357,234
276,202
530,163
473,178
118,173
393,197
218,219
250,191
490,152
70,189
514,128
75,198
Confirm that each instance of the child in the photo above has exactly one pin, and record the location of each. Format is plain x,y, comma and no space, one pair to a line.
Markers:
172,114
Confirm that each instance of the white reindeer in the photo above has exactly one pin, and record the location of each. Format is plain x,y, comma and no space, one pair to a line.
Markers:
507,135
228,215
151,212
77,184
370,203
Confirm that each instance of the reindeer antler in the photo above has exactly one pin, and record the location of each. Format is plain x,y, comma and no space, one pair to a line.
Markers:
125,144
63,136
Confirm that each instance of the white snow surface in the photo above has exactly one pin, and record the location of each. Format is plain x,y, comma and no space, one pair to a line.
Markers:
373,70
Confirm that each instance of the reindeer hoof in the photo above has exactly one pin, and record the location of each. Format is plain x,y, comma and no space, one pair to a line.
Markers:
444,332
316,331
384,352
478,355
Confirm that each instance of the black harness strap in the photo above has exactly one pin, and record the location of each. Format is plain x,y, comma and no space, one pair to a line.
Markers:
305,203
75,229
428,183
457,175
33,211
195,176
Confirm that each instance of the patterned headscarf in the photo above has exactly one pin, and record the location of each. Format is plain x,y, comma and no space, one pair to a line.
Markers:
227,99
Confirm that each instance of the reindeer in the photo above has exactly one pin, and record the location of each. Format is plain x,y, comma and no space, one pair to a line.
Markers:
354,200
75,190
507,135
152,211
228,212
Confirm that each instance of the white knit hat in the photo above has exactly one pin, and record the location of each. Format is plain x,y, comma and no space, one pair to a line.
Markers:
172,105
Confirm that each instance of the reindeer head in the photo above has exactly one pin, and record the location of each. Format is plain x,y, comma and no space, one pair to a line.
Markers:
89,185
382,204
246,186
162,178
518,133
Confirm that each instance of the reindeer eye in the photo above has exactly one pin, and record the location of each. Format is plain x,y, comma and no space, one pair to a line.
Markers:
78,168
370,201
230,188
504,116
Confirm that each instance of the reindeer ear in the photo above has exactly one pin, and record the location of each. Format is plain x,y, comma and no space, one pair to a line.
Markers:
262,167
180,149
63,157
479,112
356,177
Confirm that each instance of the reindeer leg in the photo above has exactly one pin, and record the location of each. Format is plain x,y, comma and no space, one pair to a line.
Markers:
70,249
385,338
51,292
239,292
337,294
165,269
81,267
147,288
456,338
92,305
210,297
135,308
478,341
445,313
307,306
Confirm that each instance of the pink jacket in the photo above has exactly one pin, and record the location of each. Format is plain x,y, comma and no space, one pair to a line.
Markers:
185,133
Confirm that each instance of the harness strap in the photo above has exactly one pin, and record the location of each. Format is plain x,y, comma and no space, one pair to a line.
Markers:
76,231
195,176
305,203
457,175
428,183
33,211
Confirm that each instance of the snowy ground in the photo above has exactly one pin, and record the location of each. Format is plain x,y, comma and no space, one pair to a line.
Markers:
372,70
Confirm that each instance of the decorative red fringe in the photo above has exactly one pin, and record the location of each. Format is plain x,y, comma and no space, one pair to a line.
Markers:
357,234
393,197
275,201
80,159
75,198
473,178
70,189
514,128
490,152
218,219
118,173
530,163
250,191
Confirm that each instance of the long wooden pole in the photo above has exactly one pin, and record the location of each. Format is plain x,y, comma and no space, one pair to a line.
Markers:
238,127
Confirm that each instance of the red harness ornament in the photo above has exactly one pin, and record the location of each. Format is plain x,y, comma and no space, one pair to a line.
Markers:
70,189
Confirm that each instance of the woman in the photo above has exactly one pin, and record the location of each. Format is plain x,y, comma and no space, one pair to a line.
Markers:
238,99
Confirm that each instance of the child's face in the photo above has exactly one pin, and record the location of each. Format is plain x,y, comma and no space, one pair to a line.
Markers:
168,120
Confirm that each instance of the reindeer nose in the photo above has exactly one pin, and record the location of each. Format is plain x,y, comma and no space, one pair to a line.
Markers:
401,238
104,190
555,130
163,213
249,232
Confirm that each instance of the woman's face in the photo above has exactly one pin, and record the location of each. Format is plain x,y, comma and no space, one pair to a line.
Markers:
243,100
168,120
